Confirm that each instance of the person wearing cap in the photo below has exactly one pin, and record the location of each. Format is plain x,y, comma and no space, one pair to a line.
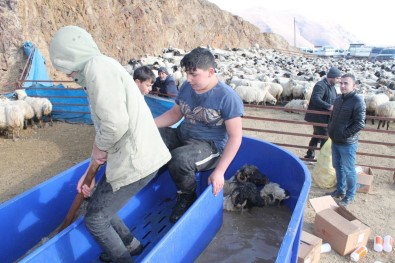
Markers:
165,84
126,138
322,98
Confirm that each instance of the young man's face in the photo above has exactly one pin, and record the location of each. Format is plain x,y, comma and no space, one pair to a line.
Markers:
200,79
144,86
347,85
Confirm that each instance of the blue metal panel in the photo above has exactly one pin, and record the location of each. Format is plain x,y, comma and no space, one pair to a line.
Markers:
70,105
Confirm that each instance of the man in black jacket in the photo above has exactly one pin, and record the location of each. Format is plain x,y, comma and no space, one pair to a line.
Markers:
322,97
346,120
165,84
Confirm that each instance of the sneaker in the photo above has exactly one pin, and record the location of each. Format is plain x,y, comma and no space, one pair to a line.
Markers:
336,194
309,156
137,251
184,201
345,201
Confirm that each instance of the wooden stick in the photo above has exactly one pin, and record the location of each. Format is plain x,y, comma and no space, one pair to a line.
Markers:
93,168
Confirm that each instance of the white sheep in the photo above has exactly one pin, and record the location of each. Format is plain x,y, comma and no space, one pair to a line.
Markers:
275,89
24,107
238,81
11,119
178,76
386,110
299,90
41,106
272,192
269,99
287,85
296,104
373,101
250,94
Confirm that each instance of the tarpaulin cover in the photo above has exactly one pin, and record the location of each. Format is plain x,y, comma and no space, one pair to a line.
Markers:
38,70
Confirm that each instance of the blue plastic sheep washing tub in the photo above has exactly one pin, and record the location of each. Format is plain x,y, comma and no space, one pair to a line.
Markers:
33,215
36,213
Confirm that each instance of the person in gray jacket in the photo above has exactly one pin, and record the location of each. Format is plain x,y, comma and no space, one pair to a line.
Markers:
322,97
346,120
126,138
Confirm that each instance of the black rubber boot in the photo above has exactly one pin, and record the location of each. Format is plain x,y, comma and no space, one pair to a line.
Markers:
184,201
137,251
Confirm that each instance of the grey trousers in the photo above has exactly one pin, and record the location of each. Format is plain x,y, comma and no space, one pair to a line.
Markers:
188,157
102,220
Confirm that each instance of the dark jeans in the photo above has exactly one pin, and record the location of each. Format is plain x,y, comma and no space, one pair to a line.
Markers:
188,157
317,130
102,220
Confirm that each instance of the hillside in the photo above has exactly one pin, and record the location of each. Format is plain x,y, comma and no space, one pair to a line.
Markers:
123,29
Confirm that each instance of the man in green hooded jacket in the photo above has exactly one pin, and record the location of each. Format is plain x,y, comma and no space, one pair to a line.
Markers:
126,138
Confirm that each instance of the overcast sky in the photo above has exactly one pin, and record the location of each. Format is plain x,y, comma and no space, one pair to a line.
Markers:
371,21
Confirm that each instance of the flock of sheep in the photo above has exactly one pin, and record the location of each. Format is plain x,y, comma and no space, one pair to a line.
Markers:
15,114
267,76
258,75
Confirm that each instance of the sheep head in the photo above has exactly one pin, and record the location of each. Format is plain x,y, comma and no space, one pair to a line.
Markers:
20,94
252,174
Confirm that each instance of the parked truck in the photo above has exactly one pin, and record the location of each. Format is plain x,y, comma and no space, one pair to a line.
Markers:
359,51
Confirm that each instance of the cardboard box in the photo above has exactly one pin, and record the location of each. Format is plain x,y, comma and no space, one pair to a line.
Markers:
337,226
309,248
365,180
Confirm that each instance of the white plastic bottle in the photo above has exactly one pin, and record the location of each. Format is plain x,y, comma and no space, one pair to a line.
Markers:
388,243
378,243
359,253
326,247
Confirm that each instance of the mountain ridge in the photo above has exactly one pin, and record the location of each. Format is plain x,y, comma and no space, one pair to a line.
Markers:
308,31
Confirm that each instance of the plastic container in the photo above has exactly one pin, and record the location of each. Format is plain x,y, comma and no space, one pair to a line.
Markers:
378,244
388,243
326,247
36,213
358,169
359,253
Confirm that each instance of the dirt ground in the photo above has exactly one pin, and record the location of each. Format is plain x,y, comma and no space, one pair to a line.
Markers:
42,153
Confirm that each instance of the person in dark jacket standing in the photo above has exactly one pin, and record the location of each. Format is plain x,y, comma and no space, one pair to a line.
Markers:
165,83
322,97
346,120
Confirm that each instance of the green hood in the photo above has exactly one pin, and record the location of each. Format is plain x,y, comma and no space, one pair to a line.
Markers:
70,48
